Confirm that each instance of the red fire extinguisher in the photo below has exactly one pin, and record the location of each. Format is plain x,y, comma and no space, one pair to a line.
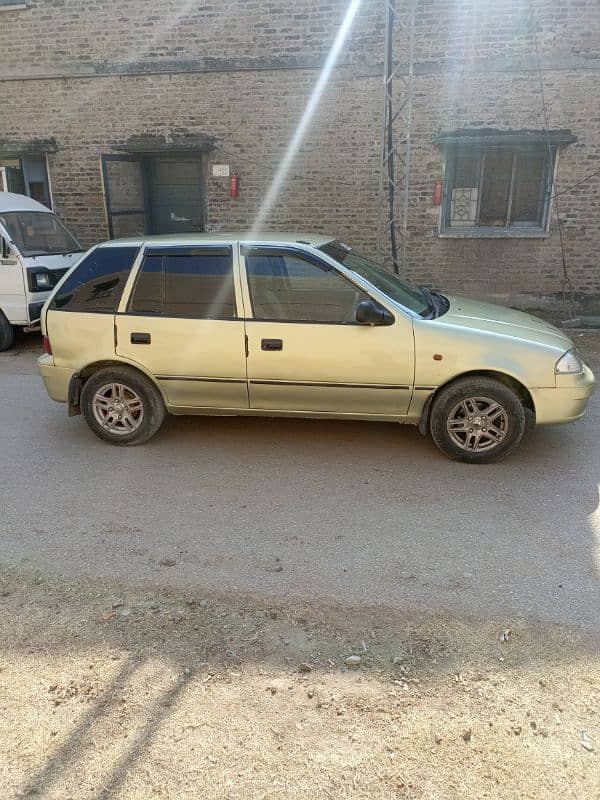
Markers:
234,185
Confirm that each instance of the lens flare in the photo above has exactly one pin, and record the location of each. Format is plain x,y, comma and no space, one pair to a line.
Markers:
306,118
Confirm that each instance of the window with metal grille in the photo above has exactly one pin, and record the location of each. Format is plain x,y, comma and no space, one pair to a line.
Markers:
495,189
499,183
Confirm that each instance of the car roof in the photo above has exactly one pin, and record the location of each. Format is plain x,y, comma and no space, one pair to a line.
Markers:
9,201
312,239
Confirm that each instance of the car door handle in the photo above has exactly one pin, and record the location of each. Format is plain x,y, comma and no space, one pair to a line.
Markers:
271,344
140,338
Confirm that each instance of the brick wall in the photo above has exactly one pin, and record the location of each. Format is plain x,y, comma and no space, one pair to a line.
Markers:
94,74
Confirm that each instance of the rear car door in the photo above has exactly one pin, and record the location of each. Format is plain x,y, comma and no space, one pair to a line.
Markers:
306,352
181,324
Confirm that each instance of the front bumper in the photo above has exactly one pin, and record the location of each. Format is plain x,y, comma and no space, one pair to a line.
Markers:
567,402
56,379
35,312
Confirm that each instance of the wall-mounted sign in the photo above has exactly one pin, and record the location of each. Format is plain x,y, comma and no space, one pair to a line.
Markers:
220,170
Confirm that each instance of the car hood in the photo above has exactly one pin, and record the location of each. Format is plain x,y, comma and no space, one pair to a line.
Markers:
505,321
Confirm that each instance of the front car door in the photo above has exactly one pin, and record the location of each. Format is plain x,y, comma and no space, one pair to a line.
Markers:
13,302
306,352
181,324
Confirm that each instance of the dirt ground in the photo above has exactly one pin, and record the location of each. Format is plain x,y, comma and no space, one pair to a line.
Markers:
112,691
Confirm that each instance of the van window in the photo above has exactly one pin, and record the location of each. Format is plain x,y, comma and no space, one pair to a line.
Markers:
97,282
38,233
196,283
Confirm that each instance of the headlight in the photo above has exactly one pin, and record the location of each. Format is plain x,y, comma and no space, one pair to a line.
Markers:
569,363
42,281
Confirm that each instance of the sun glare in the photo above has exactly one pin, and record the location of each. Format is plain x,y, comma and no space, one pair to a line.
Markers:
305,120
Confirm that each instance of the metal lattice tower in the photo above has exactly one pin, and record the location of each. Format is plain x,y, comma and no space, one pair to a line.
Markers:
392,233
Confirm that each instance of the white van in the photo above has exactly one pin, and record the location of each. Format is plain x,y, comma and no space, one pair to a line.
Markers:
35,252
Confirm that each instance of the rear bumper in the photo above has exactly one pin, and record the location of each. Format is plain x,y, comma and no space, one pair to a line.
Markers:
567,402
56,379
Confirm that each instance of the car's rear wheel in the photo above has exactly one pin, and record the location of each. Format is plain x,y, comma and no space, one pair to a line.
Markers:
121,406
477,420
7,333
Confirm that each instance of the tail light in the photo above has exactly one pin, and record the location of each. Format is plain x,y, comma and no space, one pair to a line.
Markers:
47,346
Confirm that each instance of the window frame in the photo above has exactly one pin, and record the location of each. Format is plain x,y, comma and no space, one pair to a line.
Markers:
144,161
180,250
479,150
312,258
24,169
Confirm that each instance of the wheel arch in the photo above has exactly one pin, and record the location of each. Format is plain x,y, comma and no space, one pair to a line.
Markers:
7,339
509,381
79,379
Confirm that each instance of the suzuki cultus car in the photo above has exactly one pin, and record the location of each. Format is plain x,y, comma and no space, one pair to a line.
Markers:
298,326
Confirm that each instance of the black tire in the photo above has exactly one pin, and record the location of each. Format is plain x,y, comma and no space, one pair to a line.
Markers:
135,385
447,410
7,333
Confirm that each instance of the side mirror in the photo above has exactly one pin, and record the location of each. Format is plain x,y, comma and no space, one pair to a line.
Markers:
368,312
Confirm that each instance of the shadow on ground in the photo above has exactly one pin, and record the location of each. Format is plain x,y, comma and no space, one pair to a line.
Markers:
118,691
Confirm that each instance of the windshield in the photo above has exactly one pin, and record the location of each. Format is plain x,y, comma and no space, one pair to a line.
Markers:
38,233
391,285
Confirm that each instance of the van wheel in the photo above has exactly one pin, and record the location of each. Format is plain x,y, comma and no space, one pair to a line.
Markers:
121,406
7,333
477,420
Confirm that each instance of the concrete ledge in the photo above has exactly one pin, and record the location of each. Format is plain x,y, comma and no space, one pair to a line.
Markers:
503,234
582,322
271,63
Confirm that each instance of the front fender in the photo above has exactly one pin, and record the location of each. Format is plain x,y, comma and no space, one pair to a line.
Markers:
444,352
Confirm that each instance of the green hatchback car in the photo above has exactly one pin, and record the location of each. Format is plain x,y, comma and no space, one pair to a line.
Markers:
297,326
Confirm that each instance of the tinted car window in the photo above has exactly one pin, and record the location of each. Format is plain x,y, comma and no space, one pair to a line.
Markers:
197,284
410,296
148,296
97,283
289,288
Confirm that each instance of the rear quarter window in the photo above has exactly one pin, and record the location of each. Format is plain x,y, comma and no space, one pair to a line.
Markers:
97,283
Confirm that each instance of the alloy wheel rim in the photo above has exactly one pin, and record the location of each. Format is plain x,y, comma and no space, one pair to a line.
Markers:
477,424
117,408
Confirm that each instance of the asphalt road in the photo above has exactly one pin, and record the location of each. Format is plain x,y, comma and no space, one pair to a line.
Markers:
355,513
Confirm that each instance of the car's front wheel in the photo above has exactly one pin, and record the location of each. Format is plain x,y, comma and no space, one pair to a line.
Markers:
121,406
477,420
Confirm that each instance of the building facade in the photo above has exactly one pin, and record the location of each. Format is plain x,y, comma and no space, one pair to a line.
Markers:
131,116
